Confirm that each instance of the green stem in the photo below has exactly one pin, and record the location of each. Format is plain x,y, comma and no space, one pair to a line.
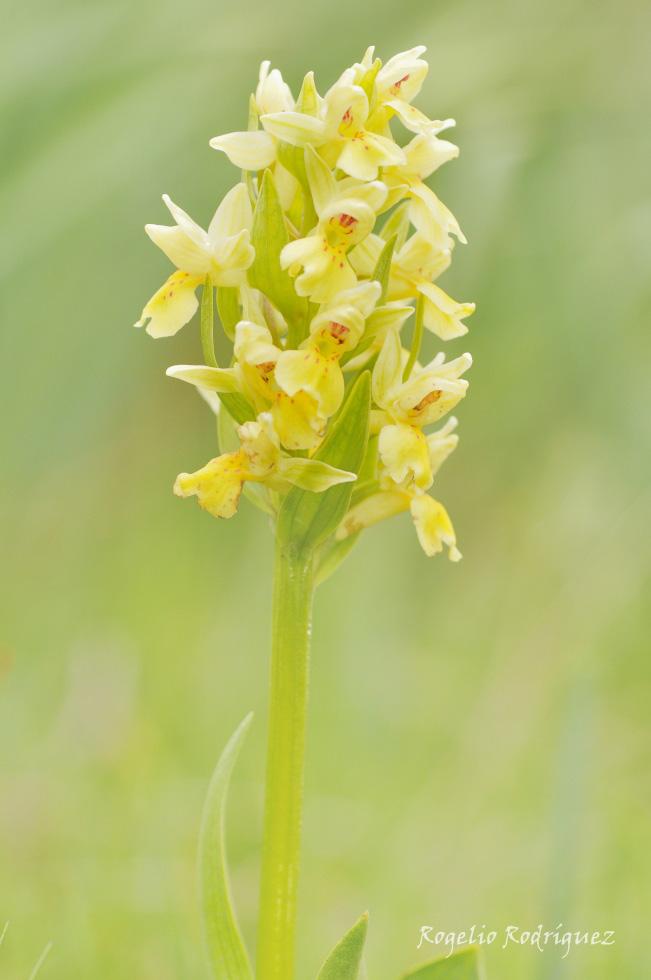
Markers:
207,324
417,339
291,627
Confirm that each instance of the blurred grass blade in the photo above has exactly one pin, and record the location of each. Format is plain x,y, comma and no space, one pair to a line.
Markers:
463,965
306,519
269,237
226,952
344,961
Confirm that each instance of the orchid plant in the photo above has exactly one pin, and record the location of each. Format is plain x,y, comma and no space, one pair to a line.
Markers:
315,261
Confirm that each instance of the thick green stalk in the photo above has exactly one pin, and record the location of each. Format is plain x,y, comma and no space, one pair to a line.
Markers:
291,628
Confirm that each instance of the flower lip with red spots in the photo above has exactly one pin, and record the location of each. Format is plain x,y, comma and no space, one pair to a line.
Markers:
338,331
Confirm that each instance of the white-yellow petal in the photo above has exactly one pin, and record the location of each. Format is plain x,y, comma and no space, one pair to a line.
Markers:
372,510
442,314
431,217
295,128
433,526
180,248
233,257
171,306
322,183
405,454
297,420
310,371
248,151
233,215
388,368
217,485
403,75
425,153
194,231
203,376
272,94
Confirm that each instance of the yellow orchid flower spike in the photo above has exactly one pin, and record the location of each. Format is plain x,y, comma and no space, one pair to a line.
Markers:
322,268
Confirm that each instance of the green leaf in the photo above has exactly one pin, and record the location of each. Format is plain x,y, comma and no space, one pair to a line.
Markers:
207,324
333,556
306,519
226,952
397,224
269,237
383,268
238,408
228,307
463,965
344,961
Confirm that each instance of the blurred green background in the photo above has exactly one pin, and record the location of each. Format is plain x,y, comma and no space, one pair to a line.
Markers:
478,747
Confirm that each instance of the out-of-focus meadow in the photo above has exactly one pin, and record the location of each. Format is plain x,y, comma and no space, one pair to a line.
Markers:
478,747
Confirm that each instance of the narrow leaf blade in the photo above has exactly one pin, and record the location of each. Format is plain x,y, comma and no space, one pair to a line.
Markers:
226,951
463,965
269,237
344,961
306,519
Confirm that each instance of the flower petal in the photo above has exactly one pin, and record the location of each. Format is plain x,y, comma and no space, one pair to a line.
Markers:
184,221
388,368
171,306
249,151
295,128
217,485
433,526
179,248
373,509
308,370
322,183
404,451
203,376
232,216
298,421
443,315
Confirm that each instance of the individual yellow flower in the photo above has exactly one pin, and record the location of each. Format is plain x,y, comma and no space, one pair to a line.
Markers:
388,316
223,254
431,520
257,149
402,77
218,485
346,210
339,126
428,393
412,269
298,417
314,368
409,461
411,458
